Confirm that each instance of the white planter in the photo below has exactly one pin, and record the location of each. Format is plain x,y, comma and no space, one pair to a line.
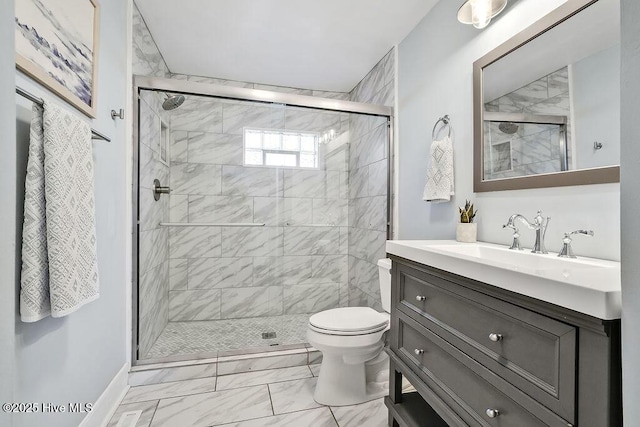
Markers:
467,233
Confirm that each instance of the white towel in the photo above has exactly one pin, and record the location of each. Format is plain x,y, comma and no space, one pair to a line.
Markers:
439,187
59,254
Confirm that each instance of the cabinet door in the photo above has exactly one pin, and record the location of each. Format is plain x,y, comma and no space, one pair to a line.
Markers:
441,367
535,353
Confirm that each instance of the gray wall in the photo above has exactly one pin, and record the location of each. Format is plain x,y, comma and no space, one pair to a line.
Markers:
435,78
630,204
596,108
8,266
74,358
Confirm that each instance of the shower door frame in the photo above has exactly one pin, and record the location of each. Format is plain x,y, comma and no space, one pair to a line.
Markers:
185,87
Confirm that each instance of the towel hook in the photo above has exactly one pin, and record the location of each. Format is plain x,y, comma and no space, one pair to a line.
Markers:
446,120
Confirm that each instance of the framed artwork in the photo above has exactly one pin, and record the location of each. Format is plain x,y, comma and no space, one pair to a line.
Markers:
57,45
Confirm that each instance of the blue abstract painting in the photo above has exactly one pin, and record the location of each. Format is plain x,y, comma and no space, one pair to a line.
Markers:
56,38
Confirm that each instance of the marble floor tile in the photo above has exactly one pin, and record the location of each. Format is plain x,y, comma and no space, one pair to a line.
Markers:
315,356
216,408
319,417
262,361
147,408
262,377
315,369
167,390
370,414
183,338
180,373
291,396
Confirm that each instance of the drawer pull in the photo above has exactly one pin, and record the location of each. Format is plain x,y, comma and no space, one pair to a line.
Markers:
492,413
418,351
495,337
421,298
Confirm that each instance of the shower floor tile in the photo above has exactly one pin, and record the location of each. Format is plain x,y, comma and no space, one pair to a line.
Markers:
182,338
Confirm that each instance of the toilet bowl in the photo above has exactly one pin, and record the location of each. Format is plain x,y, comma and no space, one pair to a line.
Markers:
354,368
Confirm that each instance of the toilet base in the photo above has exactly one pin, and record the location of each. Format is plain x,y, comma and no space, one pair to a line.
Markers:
343,384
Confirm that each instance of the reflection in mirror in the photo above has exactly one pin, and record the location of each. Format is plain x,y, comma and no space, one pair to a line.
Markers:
552,104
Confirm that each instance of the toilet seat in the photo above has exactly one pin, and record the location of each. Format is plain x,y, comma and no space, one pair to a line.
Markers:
349,321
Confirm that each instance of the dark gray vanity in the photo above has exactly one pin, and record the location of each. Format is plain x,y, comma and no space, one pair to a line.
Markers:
481,355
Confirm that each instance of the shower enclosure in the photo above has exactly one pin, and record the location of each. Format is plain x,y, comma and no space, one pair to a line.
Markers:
254,210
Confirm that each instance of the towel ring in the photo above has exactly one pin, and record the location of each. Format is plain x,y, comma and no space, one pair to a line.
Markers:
446,122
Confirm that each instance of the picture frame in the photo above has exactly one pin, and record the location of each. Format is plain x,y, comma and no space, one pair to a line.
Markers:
57,44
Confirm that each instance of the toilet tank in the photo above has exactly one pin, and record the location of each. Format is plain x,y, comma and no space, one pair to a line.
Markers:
384,276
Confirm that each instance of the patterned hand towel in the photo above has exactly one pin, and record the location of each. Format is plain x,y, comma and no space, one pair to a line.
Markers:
439,187
59,254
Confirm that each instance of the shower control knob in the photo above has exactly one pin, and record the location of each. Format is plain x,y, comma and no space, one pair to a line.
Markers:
495,337
492,413
159,189
421,298
418,351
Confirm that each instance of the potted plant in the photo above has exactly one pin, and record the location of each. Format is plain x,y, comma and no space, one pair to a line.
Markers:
467,230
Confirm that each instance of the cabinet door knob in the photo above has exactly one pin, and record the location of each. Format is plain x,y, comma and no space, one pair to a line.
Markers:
492,413
418,351
495,337
421,298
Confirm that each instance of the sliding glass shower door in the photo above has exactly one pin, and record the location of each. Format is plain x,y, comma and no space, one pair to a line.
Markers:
254,235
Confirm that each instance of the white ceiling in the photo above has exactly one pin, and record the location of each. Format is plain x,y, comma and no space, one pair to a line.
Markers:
312,44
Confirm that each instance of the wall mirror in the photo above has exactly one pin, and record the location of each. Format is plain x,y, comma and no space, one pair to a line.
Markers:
547,102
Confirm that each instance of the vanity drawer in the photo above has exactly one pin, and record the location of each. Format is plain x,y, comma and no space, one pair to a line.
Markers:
441,367
535,353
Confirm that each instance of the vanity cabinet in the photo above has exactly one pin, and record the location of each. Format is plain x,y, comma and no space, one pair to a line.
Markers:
479,355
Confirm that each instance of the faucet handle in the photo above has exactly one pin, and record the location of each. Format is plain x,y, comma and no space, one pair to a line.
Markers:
585,232
567,250
516,236
539,219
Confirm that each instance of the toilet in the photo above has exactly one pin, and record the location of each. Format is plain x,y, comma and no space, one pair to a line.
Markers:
354,368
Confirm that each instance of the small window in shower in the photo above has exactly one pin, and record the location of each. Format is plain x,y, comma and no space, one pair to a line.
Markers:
280,148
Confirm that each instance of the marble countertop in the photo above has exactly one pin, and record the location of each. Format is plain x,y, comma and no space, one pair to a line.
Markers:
586,285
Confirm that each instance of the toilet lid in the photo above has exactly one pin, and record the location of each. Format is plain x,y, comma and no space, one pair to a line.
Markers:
349,319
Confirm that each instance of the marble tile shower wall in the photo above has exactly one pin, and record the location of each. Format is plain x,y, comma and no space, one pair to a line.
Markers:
153,282
153,266
368,169
249,85
147,59
297,262
533,148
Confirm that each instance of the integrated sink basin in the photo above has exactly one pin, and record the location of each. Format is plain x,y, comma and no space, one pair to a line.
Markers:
586,285
515,259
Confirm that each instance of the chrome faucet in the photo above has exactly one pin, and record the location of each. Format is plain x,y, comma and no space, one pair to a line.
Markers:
515,244
567,250
539,224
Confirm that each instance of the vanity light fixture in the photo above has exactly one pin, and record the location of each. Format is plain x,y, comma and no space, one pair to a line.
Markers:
480,12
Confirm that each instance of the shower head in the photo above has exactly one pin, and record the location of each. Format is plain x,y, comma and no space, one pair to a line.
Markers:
172,102
508,127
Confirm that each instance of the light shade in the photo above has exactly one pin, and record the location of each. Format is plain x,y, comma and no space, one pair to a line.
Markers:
480,12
